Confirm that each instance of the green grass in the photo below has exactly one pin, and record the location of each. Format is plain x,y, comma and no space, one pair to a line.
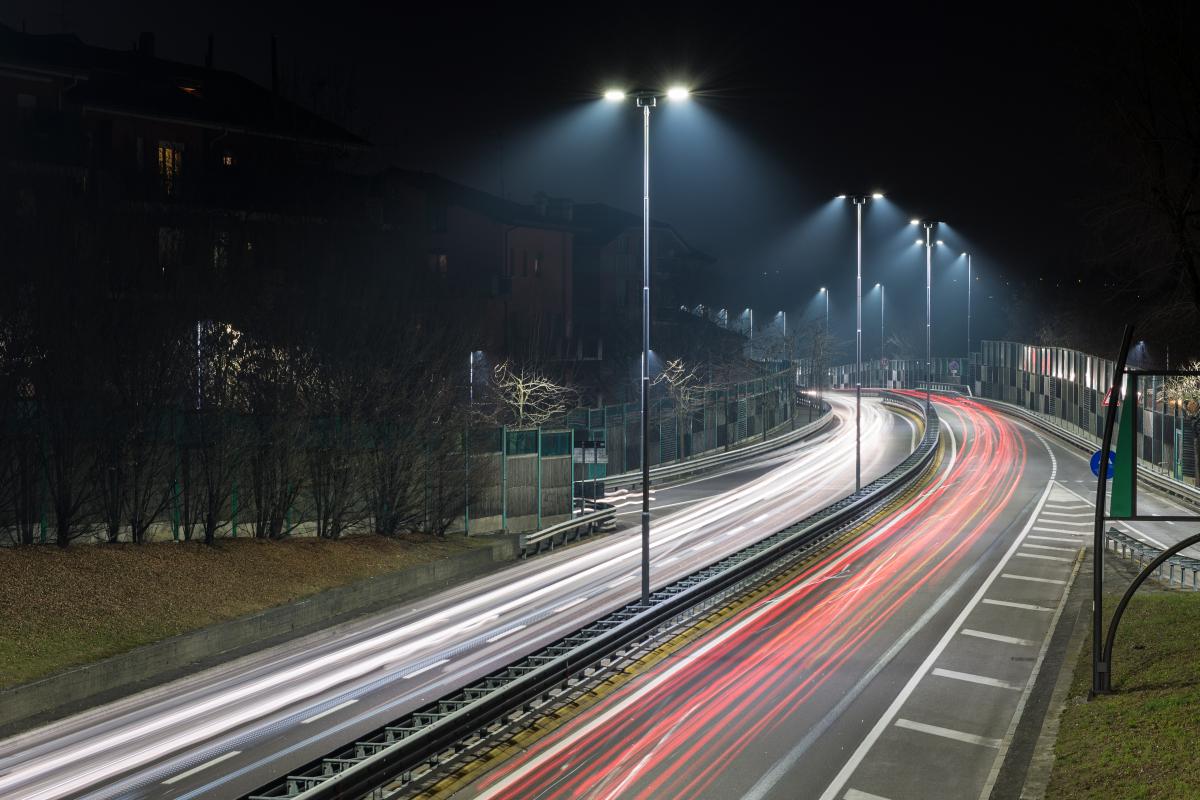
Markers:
62,608
1142,741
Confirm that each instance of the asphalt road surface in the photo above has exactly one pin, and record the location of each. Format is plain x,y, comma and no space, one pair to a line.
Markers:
230,729
894,668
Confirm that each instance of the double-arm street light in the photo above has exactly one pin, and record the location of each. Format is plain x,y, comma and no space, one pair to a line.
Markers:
929,242
646,100
859,200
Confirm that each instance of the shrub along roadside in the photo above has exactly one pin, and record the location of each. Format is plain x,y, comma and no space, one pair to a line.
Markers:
60,608
1139,742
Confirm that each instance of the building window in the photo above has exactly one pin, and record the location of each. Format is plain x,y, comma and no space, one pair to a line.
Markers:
537,265
170,252
439,263
227,160
220,254
170,165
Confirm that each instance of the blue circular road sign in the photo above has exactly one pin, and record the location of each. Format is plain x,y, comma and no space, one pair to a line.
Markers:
1112,462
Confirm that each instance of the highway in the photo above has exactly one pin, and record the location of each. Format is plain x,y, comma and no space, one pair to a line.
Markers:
230,729
892,668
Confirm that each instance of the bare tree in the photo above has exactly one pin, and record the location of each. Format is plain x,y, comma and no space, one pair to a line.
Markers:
528,397
1184,392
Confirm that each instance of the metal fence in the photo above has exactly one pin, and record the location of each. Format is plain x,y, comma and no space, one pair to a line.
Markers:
1069,389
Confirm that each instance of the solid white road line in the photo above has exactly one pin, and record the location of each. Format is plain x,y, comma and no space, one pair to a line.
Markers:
328,711
856,758
425,668
1044,558
1011,604
1080,524
1050,538
1067,506
997,637
572,603
205,765
947,733
508,632
982,680
855,794
1052,547
1031,578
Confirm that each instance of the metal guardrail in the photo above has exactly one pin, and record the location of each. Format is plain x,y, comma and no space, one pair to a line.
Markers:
1150,477
948,388
701,463
427,735
603,517
1136,550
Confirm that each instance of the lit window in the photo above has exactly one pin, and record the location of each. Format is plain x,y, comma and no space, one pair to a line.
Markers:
170,164
227,160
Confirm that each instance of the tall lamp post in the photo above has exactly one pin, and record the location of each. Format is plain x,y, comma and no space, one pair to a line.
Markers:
928,241
882,333
968,255
859,200
646,101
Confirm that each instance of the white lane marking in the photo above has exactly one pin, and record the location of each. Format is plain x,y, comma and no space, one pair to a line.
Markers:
855,794
1061,530
1087,524
947,733
508,632
572,603
666,561
1049,538
1066,506
1052,547
328,711
1066,514
1011,604
759,518
619,582
1044,558
736,530
205,765
982,680
425,668
702,545
997,637
1031,578
831,792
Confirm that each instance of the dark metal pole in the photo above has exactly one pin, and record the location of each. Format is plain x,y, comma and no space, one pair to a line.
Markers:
1100,672
859,202
928,315
646,103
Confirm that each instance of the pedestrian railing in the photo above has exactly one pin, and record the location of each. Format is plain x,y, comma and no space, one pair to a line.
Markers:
1176,569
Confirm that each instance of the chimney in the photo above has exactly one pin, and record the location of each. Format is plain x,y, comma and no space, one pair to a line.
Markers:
146,44
274,66
208,54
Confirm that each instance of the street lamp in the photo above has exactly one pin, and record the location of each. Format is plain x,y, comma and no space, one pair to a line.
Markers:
646,101
825,292
882,334
928,242
968,255
859,200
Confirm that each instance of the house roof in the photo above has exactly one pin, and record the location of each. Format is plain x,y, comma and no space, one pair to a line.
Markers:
463,196
132,83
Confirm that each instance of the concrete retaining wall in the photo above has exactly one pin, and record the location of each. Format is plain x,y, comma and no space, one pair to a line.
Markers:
27,705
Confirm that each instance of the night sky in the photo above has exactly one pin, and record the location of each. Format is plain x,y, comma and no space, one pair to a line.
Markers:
981,117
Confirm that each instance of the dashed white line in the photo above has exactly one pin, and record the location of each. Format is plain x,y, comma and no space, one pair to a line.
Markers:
982,680
997,637
329,711
508,632
1044,558
1050,547
205,765
947,733
571,604
1031,578
1011,604
736,530
855,794
425,668
702,545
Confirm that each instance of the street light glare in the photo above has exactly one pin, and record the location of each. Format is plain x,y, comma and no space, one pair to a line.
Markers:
914,222
940,242
877,196
677,93
841,197
822,288
920,241
614,95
